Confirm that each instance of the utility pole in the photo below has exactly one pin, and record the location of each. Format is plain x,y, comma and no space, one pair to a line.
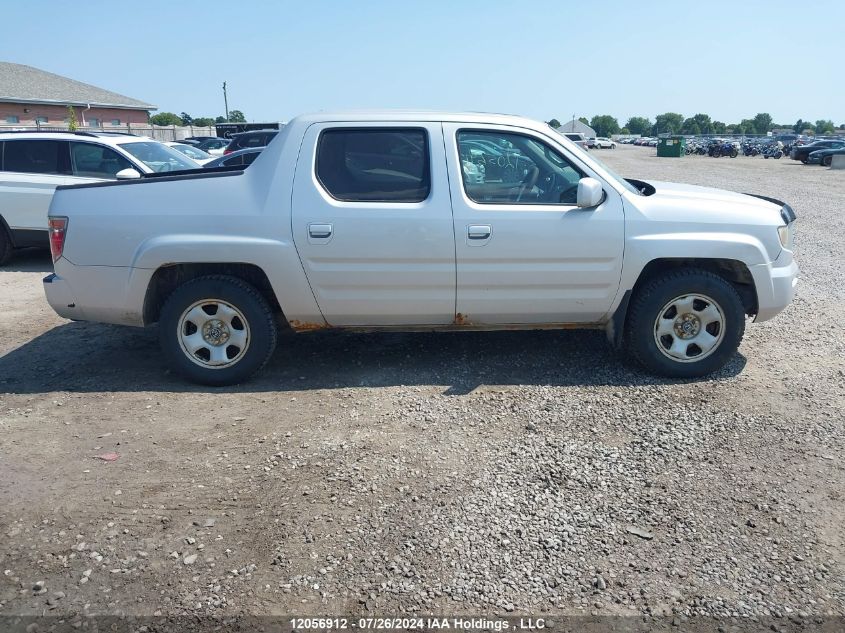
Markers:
225,101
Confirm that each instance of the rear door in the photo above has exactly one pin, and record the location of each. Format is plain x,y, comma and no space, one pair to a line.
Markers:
32,169
372,222
526,253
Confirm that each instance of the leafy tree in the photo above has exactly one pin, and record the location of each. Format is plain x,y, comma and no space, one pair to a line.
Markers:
670,122
166,118
204,121
704,123
584,120
639,125
187,119
825,127
625,131
604,125
236,116
72,123
554,123
763,123
220,119
719,128
747,126
691,127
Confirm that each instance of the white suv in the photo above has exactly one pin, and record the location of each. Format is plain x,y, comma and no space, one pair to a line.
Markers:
33,164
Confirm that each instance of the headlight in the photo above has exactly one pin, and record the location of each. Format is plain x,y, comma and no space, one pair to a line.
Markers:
786,232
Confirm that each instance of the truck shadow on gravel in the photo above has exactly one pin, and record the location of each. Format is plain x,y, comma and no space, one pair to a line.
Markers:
89,357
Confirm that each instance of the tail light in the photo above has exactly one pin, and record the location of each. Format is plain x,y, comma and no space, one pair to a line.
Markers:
58,230
227,151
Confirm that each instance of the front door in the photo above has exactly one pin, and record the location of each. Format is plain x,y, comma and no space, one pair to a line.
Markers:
372,222
526,254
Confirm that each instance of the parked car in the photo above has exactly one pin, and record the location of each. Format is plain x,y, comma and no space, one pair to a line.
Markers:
365,221
802,152
194,153
824,157
214,145
591,143
33,164
247,140
241,158
604,143
576,137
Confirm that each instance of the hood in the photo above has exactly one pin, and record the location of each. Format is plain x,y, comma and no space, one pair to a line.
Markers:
690,193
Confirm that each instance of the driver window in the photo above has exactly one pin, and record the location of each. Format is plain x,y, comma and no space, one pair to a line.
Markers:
505,168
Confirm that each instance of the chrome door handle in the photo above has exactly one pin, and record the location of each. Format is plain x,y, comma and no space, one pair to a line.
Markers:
320,231
479,231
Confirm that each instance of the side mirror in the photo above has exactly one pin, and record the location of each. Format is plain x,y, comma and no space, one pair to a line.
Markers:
127,174
589,193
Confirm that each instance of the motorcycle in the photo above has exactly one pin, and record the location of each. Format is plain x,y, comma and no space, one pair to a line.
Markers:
723,149
772,151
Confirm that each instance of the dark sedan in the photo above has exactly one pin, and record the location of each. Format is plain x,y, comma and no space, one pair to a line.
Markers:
803,152
824,157
240,158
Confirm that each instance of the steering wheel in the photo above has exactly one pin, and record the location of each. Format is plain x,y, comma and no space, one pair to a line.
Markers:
528,182
564,195
166,167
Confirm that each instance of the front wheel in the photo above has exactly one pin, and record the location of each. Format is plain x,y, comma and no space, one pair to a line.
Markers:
217,330
827,161
685,324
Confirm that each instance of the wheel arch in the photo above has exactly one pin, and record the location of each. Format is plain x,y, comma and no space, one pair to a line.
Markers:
734,271
168,277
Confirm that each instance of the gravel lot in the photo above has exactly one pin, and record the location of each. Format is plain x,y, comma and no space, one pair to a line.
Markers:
494,473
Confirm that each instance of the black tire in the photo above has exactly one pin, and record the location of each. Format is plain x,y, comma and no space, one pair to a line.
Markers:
646,306
257,322
6,246
827,161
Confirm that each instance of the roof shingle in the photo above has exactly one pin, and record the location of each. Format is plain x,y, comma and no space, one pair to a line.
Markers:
19,83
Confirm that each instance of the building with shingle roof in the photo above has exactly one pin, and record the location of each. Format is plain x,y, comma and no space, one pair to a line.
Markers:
31,96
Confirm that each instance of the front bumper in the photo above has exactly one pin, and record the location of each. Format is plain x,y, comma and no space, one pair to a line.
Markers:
813,160
776,283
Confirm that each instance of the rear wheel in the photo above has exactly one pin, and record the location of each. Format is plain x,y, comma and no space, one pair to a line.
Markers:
827,161
6,246
685,324
217,330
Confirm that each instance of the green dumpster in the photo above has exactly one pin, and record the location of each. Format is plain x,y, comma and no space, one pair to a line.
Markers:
671,146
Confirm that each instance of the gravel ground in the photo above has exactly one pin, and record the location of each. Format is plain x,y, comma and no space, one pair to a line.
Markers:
494,473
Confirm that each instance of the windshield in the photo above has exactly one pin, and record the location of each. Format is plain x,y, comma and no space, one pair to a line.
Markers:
191,152
591,156
158,157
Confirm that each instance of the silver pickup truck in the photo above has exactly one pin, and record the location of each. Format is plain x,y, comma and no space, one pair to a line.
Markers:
411,221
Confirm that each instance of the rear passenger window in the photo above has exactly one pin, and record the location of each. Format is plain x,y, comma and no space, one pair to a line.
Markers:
374,164
36,157
96,161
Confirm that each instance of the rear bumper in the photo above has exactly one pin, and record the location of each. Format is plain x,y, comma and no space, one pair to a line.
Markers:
107,294
59,296
776,283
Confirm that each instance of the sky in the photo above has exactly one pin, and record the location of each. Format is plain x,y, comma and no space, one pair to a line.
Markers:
541,59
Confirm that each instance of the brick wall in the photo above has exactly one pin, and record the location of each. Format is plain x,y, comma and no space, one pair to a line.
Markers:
56,115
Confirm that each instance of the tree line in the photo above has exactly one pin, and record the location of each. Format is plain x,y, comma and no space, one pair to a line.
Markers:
674,123
185,119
